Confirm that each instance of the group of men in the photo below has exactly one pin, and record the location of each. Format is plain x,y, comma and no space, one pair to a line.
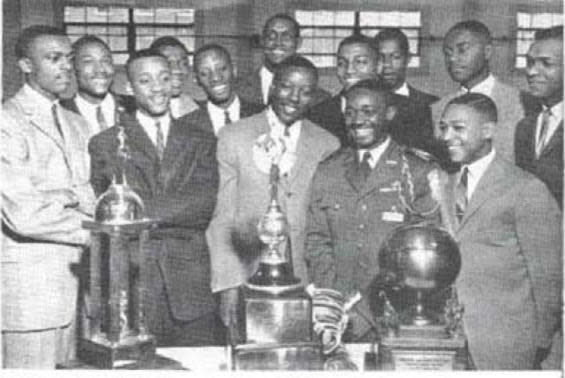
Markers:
353,167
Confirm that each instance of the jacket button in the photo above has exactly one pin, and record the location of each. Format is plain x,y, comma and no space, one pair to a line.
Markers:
364,207
337,206
361,226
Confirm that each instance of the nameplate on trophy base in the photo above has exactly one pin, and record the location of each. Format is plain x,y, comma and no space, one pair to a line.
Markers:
284,318
107,355
289,356
402,353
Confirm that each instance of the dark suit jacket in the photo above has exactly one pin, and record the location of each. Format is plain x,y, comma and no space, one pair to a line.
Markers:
181,192
329,116
201,117
549,166
249,88
510,238
412,125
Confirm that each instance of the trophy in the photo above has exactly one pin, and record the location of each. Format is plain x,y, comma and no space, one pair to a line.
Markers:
277,309
421,262
115,334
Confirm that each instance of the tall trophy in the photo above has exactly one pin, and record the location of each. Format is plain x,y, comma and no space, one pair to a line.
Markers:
115,334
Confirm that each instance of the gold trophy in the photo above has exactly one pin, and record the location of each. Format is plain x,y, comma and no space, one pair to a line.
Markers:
115,334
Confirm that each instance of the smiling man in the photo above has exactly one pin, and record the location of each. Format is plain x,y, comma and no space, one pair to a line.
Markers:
173,168
280,39
215,74
509,230
45,197
356,201
244,180
467,50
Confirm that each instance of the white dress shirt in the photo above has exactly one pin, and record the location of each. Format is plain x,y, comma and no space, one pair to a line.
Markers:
218,116
88,111
266,81
555,119
403,90
289,136
484,87
476,170
375,152
148,125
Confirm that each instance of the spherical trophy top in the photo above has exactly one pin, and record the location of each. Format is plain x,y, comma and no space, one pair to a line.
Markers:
420,257
119,205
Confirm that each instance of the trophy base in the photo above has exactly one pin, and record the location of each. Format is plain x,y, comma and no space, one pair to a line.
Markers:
274,278
423,348
284,318
105,355
291,356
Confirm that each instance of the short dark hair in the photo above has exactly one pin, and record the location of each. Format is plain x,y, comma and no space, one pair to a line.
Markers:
479,102
211,47
286,17
373,86
358,38
28,36
295,61
144,53
393,34
167,41
87,39
554,32
475,27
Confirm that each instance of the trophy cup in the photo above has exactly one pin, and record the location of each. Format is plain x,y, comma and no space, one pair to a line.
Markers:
115,334
277,309
420,261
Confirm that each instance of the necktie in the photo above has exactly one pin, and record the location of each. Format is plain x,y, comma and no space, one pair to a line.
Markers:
100,118
545,119
160,141
56,120
364,166
227,119
461,194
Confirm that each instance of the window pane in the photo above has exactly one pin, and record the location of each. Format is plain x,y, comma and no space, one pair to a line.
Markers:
541,20
321,61
143,15
96,30
75,14
414,62
188,42
118,15
78,30
410,19
520,62
524,20
118,43
120,58
143,42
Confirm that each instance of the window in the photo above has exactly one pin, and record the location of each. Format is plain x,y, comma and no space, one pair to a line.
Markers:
129,29
528,24
322,31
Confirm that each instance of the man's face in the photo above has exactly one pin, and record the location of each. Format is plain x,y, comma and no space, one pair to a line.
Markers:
48,66
544,70
94,70
214,74
466,56
356,62
394,62
279,41
178,63
366,116
290,95
151,83
465,134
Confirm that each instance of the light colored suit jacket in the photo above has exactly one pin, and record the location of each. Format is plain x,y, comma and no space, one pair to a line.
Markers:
244,197
45,195
510,280
510,112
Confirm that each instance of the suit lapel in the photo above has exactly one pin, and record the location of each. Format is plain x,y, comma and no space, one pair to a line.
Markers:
530,142
555,141
179,144
388,161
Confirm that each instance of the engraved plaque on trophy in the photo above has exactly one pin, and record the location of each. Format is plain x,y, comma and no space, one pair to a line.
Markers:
420,261
116,334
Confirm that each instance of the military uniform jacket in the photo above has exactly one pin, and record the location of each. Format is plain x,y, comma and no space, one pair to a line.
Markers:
348,220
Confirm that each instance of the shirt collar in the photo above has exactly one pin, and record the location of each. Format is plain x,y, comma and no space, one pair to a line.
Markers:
148,124
556,110
276,124
403,90
39,100
484,87
375,152
218,116
476,170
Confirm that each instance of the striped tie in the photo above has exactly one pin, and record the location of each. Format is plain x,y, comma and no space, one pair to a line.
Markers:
56,120
100,118
160,141
461,194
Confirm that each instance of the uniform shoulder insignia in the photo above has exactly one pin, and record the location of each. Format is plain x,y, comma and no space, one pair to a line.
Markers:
420,154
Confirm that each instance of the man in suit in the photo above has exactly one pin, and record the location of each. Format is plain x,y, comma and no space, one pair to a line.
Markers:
508,228
539,137
244,180
357,60
467,49
215,74
173,169
280,39
94,72
177,55
413,123
357,200
45,197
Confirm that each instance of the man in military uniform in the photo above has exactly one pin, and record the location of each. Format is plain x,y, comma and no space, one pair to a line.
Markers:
359,195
